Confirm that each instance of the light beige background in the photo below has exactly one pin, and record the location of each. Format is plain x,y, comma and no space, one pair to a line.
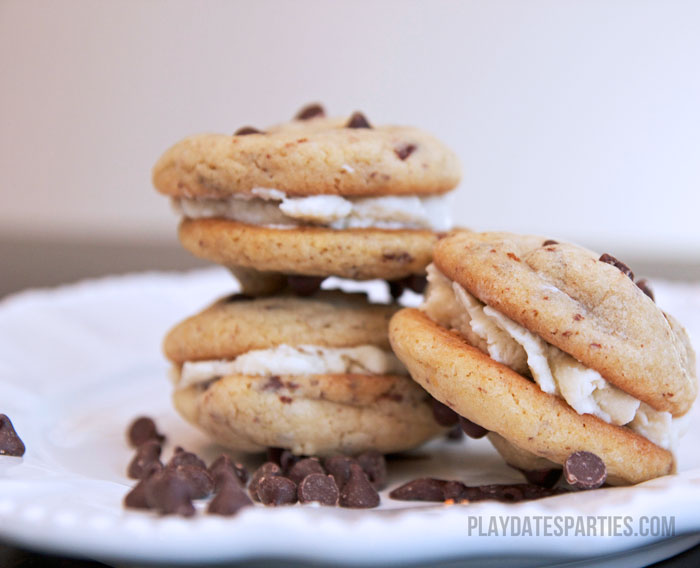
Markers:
576,120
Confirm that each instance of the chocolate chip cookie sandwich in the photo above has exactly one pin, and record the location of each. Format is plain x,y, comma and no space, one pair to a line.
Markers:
553,349
314,197
314,375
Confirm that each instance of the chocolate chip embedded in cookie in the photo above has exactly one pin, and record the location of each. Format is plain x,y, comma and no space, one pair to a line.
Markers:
262,373
550,347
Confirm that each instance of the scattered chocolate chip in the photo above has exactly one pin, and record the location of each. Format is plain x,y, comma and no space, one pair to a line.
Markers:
374,466
549,242
455,434
136,498
643,285
229,499
542,477
585,470
621,266
310,111
10,442
443,414
358,120
201,483
245,130
304,467
472,429
423,489
304,285
169,493
339,468
268,469
182,457
224,463
358,492
318,488
404,151
142,429
276,490
147,454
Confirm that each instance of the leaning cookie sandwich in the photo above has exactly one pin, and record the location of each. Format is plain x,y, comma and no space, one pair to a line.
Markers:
553,349
314,375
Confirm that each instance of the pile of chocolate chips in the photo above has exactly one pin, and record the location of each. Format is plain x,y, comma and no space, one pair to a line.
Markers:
283,480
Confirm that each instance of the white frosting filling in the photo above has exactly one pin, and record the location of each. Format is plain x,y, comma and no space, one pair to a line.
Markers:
271,207
297,360
555,371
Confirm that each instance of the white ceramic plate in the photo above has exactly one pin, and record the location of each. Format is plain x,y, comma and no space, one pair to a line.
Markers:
77,364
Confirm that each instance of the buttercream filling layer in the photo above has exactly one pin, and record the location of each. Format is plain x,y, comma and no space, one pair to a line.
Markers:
555,372
293,360
273,208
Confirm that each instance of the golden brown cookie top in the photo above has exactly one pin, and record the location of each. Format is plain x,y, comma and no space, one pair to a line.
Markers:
315,156
236,325
585,306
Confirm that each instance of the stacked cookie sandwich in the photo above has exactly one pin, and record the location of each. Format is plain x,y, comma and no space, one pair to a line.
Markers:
553,350
286,364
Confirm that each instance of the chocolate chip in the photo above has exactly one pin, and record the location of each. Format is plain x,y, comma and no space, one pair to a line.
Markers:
404,151
443,414
245,130
358,492
549,242
318,488
310,111
374,465
423,489
169,493
142,429
10,442
268,469
472,429
339,468
304,285
201,483
224,463
621,266
585,470
643,285
276,490
455,434
274,383
542,477
358,120
136,498
182,457
229,499
303,468
147,454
